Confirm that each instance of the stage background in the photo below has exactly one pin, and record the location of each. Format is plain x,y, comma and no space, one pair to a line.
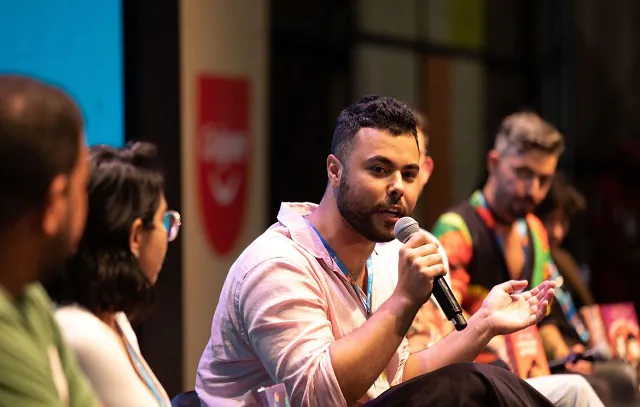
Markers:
75,44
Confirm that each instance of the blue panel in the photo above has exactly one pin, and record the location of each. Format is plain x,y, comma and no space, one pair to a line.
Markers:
76,44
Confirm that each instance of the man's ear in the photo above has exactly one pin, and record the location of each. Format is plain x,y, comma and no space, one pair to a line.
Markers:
135,237
426,169
493,159
334,170
55,211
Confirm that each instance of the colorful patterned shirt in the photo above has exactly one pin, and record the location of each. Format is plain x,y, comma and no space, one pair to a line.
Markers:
476,255
37,369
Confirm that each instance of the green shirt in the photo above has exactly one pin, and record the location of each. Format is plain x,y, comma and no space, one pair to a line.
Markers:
36,368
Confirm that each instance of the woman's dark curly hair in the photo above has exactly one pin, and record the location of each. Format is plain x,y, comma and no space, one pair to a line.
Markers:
104,275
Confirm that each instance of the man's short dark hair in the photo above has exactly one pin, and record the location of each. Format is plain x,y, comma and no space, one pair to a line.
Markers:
377,112
40,134
104,275
562,196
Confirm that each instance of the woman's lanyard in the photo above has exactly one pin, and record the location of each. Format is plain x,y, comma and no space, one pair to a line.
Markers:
365,298
141,369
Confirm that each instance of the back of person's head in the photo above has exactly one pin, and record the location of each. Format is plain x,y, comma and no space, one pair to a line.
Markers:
377,112
424,140
126,187
40,136
526,131
422,126
562,198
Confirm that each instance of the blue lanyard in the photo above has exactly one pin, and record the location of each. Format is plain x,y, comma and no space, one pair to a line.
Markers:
365,298
141,369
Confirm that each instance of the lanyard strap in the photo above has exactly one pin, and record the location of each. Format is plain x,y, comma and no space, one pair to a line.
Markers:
521,224
569,309
365,298
141,369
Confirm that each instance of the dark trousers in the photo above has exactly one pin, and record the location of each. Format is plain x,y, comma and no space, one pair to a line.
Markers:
463,384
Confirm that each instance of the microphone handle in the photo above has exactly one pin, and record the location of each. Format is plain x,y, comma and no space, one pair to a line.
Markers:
448,303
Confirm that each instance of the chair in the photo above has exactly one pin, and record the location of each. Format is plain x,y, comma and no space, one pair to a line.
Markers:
186,399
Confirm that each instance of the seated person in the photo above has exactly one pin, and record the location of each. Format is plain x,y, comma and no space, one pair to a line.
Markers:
560,335
430,326
494,236
315,304
112,275
43,173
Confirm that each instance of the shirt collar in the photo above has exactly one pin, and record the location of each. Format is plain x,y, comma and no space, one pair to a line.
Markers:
291,216
479,203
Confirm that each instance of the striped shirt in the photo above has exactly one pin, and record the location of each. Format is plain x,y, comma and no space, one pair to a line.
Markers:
36,368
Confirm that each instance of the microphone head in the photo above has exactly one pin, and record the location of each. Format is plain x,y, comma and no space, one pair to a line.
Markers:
405,227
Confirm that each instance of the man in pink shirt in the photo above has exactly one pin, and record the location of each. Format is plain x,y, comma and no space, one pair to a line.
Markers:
316,303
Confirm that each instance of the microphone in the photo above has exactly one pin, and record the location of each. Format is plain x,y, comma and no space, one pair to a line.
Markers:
405,227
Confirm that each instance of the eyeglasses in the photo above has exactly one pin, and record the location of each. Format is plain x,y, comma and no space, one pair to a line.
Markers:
172,222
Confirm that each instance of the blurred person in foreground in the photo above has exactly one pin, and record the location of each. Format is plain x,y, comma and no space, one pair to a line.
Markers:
312,302
111,278
43,204
560,338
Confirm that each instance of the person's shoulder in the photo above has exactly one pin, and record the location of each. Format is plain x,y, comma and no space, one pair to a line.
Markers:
86,335
79,325
40,307
274,245
449,221
38,297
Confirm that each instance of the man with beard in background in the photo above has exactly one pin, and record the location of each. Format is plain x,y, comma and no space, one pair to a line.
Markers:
44,174
313,304
430,325
494,236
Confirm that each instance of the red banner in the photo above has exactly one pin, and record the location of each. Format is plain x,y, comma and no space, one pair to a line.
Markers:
223,157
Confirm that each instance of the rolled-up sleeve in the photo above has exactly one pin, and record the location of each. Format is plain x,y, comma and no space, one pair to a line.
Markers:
284,313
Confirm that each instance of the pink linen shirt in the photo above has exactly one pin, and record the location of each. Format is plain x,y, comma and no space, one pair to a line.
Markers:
283,303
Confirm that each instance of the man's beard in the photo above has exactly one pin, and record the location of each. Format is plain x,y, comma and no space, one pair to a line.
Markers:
359,216
505,204
516,213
